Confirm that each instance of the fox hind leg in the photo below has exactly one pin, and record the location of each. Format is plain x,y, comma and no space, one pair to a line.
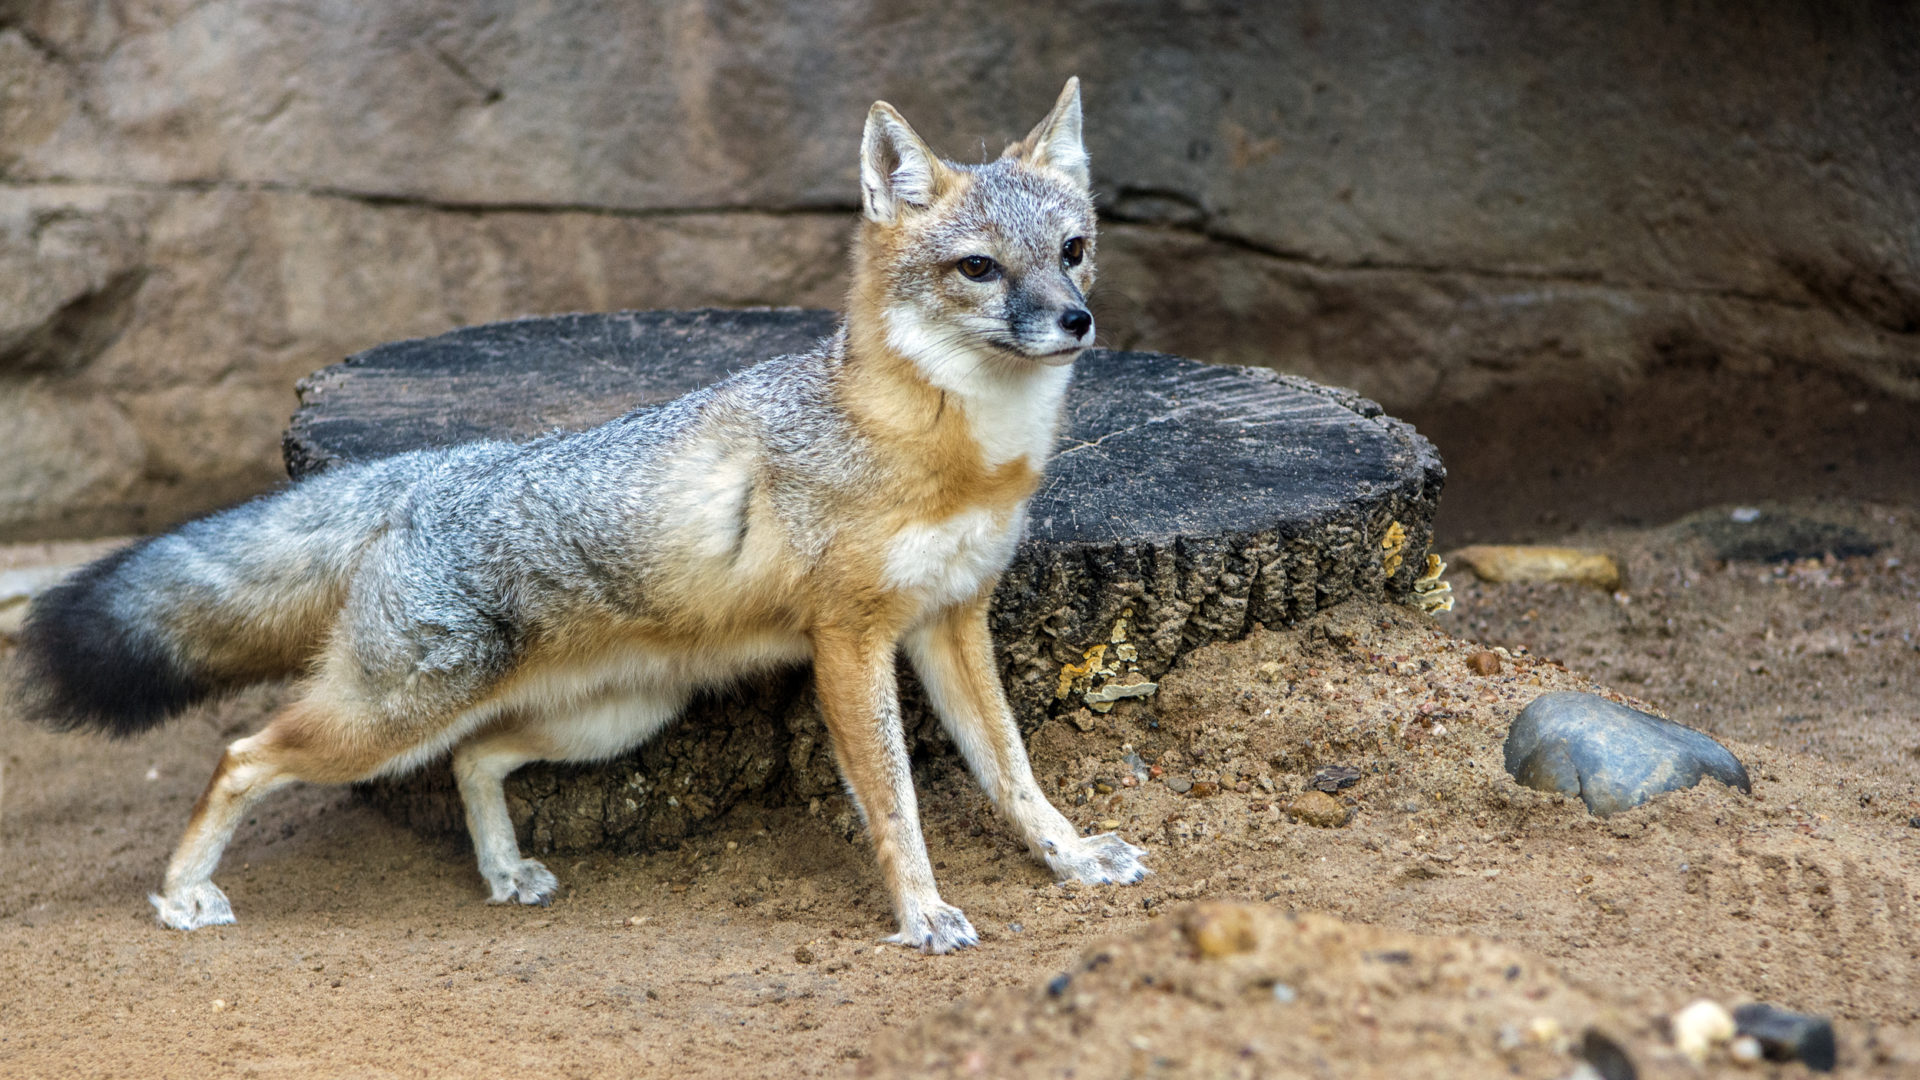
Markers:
188,899
307,740
481,764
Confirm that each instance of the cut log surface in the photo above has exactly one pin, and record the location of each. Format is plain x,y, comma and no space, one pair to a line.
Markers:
1185,503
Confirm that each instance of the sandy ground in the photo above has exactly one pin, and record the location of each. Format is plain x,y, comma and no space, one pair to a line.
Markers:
1456,925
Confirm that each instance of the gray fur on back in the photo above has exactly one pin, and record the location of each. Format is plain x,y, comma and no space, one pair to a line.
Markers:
488,545
437,567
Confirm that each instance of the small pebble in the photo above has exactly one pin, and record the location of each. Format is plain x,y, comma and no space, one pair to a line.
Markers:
1700,1027
1203,789
1269,672
1788,1036
1334,777
219,1005
1744,1050
1109,823
804,955
1608,1058
1484,662
1221,930
1319,809
1179,785
1283,993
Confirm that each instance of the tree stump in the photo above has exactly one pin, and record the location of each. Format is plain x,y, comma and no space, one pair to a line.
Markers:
1185,504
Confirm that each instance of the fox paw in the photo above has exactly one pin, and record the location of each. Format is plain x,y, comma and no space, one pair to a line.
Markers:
1097,860
524,882
935,928
191,907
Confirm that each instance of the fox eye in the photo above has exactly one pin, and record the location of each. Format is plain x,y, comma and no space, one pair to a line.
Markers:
978,267
1074,250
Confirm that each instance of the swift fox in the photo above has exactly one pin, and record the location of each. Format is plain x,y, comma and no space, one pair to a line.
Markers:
560,600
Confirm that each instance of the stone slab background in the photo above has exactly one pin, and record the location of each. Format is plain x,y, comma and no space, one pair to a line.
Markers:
1430,202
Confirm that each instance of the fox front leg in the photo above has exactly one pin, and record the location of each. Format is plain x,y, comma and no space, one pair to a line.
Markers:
954,659
860,702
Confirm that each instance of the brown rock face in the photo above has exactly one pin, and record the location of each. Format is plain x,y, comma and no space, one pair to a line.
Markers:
182,321
200,202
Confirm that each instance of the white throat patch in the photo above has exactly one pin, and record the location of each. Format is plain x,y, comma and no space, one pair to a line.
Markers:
1012,409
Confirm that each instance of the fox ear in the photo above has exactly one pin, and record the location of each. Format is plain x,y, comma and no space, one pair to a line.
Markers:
1055,143
896,168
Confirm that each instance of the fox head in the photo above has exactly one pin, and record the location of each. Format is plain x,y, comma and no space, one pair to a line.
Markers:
989,261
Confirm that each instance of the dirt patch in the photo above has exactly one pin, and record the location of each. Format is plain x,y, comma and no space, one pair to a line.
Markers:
1234,990
366,948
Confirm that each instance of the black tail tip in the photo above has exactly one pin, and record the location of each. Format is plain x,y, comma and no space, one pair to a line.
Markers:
81,666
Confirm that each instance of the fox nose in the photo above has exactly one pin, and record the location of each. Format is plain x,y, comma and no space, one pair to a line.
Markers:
1076,321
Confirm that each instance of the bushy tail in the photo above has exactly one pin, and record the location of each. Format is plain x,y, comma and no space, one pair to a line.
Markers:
244,595
80,665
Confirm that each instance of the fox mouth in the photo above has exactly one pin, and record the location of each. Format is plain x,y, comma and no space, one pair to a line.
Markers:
1058,356
1051,357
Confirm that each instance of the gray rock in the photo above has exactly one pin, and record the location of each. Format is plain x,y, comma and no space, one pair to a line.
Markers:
1788,1036
1334,778
1614,758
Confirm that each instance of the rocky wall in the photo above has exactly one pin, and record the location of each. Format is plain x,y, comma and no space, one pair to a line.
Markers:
202,201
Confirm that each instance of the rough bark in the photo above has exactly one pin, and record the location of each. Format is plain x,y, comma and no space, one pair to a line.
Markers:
1185,504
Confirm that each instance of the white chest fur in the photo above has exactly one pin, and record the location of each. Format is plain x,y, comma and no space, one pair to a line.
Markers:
948,561
1012,408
